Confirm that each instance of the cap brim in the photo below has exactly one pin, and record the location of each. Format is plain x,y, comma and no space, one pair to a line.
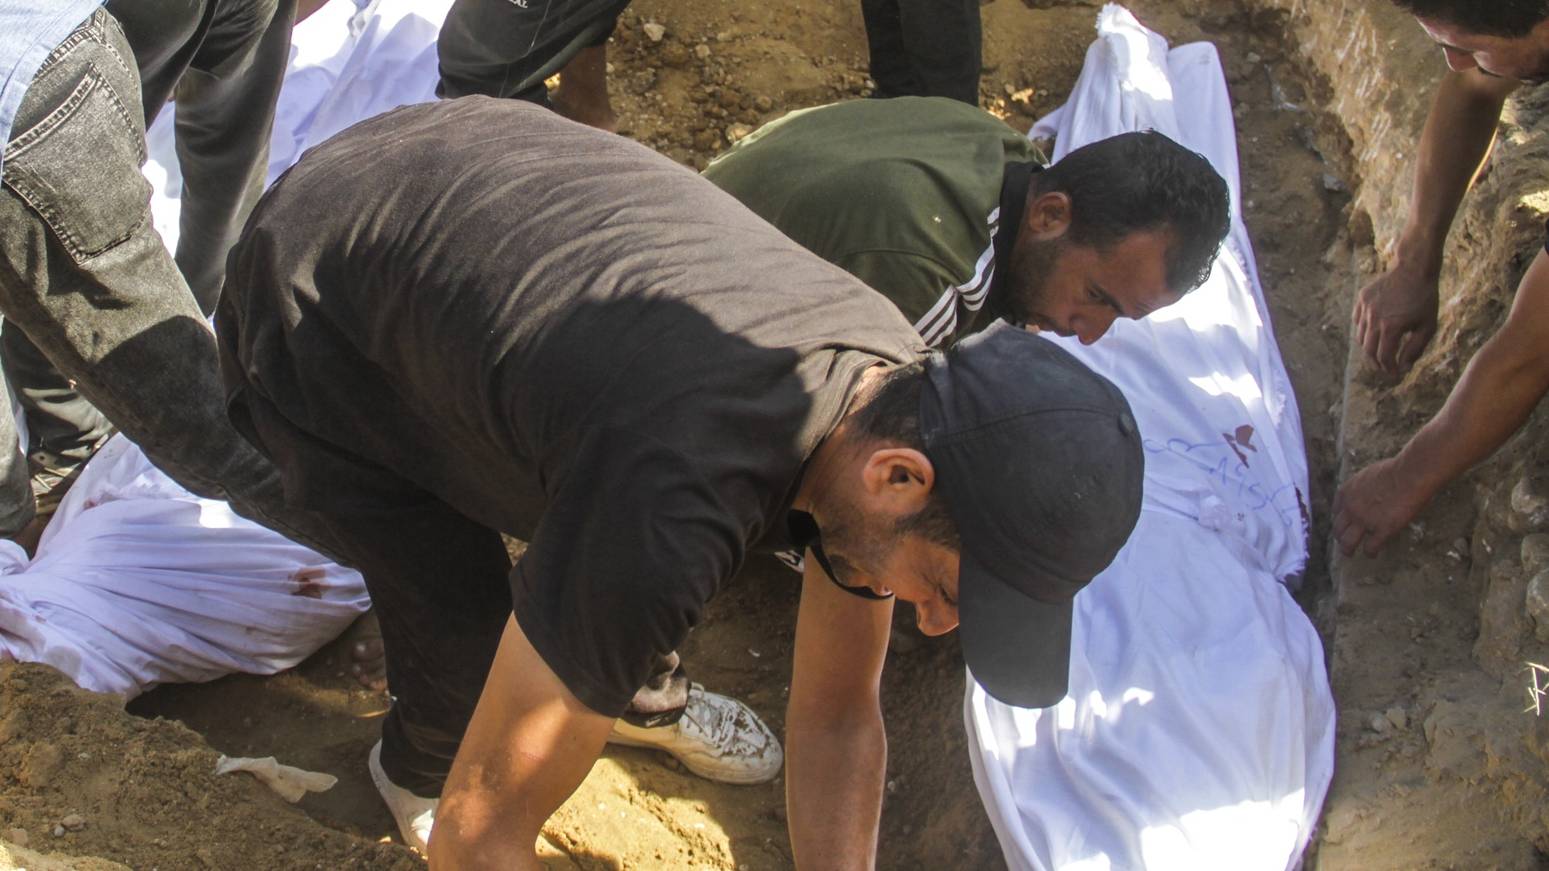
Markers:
1017,647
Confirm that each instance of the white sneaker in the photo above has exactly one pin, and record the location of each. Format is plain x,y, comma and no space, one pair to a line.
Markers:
415,816
717,738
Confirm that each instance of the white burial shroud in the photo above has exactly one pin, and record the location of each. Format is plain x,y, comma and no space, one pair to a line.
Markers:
138,582
1198,731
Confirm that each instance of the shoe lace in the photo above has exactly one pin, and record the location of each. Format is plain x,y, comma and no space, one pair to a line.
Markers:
719,721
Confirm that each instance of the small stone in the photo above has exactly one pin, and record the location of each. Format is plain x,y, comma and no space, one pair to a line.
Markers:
1379,724
1397,716
1333,184
59,831
653,31
17,836
1535,553
737,132
892,785
674,55
1530,501
73,822
702,51
1253,57
1010,89
763,104
1537,604
723,36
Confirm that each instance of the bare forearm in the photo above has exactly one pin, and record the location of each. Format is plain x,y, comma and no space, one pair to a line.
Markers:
506,855
1457,139
1492,400
529,745
835,744
834,784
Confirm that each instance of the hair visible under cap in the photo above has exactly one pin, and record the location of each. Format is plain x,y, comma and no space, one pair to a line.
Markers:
1513,19
1144,181
892,414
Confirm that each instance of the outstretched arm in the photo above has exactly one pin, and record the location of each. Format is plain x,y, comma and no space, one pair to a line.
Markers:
1395,315
1499,389
835,745
530,744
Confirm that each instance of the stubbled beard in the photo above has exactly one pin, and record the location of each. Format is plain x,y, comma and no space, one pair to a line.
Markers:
856,545
1022,294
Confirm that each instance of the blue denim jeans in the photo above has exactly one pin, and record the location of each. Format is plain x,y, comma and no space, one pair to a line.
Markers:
224,61
84,275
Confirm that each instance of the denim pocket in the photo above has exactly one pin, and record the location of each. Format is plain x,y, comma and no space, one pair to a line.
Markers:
79,169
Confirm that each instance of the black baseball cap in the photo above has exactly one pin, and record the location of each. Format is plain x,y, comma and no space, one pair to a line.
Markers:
1039,461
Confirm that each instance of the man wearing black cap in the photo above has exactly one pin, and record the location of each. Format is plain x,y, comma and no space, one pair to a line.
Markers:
582,352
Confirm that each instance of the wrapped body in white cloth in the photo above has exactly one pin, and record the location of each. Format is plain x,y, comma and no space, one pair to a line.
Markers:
1198,730
138,582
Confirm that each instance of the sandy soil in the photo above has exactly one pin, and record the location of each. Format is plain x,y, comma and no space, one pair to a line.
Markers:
143,780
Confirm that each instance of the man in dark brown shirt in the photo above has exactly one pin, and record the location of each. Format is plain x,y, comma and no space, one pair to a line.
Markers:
475,317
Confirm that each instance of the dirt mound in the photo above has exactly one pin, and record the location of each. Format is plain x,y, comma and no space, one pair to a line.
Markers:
79,775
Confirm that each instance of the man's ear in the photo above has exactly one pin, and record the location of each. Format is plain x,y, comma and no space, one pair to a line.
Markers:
898,480
1047,216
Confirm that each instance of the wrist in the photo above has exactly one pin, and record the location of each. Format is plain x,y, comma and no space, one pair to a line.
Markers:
1419,253
1421,473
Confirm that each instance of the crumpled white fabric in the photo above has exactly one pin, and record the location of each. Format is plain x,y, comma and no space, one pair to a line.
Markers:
289,781
138,582
1198,730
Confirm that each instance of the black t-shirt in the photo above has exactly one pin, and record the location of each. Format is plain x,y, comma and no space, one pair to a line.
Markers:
564,336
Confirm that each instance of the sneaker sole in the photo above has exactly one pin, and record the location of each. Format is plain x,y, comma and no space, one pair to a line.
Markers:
708,772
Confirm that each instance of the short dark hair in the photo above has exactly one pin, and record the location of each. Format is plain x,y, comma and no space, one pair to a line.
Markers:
1142,181
1508,18
892,414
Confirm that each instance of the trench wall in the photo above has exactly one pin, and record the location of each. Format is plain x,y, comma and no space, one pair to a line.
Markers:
1441,759
1380,70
